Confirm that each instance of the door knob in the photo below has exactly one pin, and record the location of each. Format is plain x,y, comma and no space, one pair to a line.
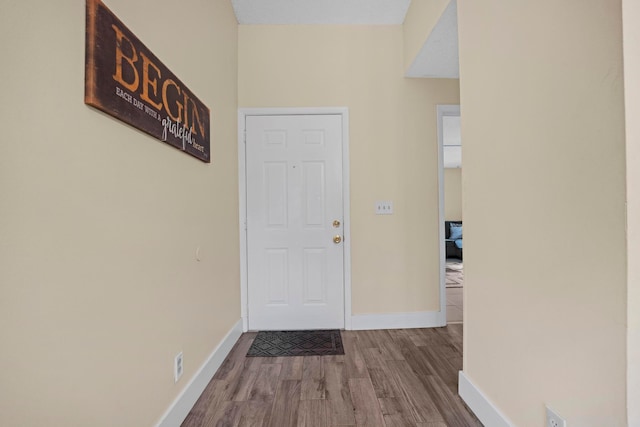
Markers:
337,239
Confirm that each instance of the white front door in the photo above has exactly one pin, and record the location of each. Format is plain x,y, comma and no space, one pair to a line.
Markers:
294,222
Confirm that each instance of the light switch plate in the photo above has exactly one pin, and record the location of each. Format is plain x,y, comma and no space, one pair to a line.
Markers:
384,207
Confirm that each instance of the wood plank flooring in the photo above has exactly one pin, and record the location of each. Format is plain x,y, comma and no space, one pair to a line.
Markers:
386,378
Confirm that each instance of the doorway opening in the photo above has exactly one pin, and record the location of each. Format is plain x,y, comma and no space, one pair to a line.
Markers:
451,224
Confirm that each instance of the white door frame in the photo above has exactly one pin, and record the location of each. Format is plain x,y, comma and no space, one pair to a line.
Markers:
242,199
443,110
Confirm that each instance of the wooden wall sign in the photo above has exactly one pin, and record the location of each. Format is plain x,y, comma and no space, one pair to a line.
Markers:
124,79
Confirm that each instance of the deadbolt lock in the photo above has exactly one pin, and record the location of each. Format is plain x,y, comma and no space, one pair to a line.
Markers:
336,224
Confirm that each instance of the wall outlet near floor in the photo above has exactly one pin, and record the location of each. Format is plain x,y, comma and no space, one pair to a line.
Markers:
177,367
553,419
384,207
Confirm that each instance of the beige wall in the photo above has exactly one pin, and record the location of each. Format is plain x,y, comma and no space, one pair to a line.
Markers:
393,145
453,194
545,321
99,223
631,16
421,17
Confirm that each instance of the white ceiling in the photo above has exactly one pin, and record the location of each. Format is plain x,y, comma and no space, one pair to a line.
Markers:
439,55
348,12
437,58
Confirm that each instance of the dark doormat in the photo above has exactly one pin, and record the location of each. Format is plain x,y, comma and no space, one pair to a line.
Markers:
296,343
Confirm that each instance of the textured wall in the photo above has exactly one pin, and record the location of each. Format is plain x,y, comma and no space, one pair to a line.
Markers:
99,223
544,177
393,145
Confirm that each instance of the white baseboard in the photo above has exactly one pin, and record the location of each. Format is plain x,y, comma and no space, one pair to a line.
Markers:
481,406
179,409
418,319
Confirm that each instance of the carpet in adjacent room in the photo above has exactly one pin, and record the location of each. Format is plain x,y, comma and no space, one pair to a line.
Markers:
454,274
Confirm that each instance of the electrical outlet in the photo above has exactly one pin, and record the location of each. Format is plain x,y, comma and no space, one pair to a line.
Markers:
177,367
384,207
553,419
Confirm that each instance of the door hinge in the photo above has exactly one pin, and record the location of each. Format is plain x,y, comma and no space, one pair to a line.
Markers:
245,137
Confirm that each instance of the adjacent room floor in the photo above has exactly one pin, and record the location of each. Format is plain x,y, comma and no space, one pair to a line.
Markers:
454,283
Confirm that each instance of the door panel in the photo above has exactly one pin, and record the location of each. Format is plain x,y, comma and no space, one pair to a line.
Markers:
314,194
277,278
294,194
275,177
315,260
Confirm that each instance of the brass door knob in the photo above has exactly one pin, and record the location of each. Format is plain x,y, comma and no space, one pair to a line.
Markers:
337,239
